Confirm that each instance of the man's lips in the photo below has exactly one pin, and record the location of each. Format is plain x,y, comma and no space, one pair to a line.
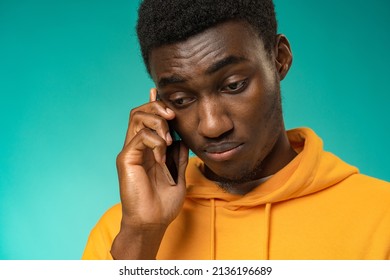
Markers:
222,151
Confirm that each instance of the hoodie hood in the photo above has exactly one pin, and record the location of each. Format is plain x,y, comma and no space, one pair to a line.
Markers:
312,170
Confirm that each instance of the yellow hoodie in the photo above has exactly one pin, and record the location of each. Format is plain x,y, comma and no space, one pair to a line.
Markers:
316,207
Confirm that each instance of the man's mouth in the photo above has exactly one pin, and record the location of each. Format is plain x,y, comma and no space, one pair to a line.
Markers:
222,151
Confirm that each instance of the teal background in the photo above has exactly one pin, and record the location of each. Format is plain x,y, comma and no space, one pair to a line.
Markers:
70,71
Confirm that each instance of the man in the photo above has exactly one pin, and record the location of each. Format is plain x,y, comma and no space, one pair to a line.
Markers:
255,190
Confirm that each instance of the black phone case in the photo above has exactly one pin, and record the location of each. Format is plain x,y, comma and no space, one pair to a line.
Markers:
173,152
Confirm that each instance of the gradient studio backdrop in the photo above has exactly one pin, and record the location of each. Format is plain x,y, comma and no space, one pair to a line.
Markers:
71,70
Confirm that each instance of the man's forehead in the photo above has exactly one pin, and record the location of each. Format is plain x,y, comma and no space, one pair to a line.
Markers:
228,43
167,79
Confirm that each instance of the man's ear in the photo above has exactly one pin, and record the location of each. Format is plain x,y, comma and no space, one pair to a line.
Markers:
283,55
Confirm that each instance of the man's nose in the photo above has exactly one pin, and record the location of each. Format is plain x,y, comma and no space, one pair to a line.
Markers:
214,119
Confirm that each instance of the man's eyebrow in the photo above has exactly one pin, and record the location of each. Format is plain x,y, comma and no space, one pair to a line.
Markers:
232,59
174,79
229,60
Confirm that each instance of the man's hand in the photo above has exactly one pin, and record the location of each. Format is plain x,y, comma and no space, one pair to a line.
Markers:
149,202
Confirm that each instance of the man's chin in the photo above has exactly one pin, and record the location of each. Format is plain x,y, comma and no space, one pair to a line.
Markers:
232,177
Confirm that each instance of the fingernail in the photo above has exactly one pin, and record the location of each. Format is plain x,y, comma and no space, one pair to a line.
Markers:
152,94
168,138
169,111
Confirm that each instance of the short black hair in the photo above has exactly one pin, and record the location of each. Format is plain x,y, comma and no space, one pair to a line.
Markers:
162,22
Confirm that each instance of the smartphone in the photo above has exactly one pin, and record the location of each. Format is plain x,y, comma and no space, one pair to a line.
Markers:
172,159
172,156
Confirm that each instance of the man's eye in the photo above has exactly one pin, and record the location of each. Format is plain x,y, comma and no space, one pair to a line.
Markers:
182,101
234,87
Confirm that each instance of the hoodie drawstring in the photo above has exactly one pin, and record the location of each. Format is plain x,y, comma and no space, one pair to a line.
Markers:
212,230
267,225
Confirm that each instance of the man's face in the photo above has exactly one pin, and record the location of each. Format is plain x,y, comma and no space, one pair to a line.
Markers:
224,89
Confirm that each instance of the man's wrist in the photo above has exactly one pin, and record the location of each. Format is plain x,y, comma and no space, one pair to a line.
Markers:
138,242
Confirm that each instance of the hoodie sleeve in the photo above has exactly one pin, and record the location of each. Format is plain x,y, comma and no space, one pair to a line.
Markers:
102,235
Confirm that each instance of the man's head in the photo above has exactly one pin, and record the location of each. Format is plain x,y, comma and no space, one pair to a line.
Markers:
223,84
164,22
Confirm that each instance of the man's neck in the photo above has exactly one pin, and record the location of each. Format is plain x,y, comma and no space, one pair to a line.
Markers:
243,188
